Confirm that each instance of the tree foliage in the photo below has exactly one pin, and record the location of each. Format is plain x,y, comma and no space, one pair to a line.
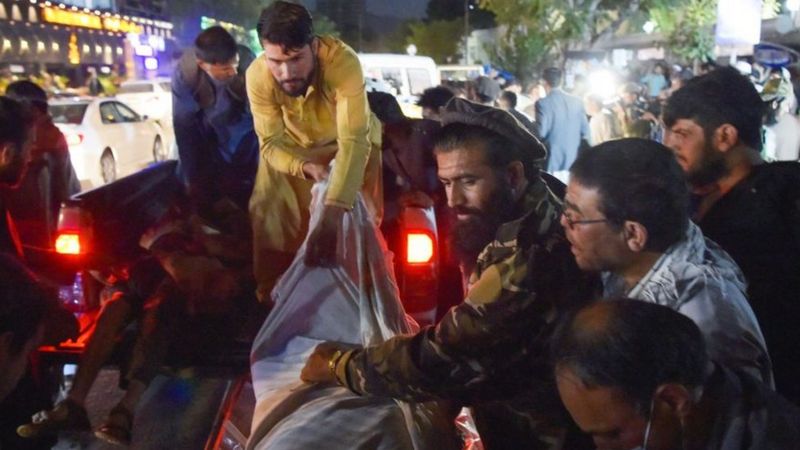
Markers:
554,27
688,29
438,39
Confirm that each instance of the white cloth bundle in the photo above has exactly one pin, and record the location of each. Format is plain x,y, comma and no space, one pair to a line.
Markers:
356,303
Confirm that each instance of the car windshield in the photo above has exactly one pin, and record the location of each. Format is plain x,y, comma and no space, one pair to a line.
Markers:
71,114
135,88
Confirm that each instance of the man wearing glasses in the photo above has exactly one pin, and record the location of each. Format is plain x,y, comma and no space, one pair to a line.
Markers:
626,216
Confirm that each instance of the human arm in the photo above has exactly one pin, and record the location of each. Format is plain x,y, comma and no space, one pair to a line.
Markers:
544,119
346,80
502,322
188,126
720,309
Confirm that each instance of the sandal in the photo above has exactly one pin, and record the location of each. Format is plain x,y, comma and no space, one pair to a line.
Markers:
67,415
117,427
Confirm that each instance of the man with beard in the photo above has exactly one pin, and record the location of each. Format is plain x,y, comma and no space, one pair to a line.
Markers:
217,145
309,107
489,352
752,209
626,216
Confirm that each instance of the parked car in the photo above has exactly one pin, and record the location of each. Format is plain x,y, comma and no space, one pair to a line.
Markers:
152,98
407,76
107,139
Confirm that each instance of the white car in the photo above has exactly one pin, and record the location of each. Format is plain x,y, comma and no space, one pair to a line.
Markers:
107,139
152,98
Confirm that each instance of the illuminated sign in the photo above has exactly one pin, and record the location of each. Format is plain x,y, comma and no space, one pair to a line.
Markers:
73,55
122,26
82,19
150,63
77,19
143,50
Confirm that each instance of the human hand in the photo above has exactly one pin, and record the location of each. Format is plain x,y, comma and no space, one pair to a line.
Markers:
324,239
317,368
317,172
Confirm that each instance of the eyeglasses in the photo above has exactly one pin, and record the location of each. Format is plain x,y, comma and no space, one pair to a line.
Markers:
571,223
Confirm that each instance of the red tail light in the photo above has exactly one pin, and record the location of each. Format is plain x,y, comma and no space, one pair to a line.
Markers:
74,139
68,243
74,231
419,248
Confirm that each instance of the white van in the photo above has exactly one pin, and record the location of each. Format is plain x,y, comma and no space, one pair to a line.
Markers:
403,76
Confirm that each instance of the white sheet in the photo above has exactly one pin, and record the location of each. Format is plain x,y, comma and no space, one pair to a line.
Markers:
355,303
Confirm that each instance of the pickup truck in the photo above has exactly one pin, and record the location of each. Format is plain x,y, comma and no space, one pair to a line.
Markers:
98,237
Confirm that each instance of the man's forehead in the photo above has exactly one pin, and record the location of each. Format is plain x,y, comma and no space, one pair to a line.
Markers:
275,51
464,157
685,124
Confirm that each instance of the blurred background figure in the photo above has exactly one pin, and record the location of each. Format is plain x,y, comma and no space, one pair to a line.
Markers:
433,100
781,127
604,125
508,102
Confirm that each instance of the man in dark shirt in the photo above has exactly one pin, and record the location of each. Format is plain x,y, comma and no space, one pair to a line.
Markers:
214,131
750,208
16,127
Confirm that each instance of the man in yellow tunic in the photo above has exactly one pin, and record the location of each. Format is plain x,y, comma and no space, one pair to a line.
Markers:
309,106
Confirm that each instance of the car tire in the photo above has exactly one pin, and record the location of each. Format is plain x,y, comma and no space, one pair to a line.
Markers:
108,167
160,152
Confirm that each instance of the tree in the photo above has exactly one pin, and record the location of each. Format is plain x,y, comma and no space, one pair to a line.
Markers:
558,26
438,39
688,29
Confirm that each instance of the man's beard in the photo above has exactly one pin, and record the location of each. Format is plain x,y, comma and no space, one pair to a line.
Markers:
303,87
470,236
709,168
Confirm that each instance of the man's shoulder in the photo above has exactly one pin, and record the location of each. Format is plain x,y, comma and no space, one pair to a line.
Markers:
335,56
258,77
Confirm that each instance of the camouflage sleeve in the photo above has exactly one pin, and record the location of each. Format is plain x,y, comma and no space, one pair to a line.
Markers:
459,355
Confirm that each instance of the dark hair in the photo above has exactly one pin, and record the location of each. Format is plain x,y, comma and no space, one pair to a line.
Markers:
25,303
639,180
286,24
510,97
385,107
553,76
26,91
215,46
15,122
498,150
631,345
716,98
435,97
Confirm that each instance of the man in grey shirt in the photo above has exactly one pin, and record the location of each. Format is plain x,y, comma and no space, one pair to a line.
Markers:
626,215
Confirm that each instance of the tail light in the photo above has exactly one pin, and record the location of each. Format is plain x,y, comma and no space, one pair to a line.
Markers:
68,243
419,247
73,232
74,139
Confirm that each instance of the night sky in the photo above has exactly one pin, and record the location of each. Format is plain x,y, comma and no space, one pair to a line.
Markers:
394,8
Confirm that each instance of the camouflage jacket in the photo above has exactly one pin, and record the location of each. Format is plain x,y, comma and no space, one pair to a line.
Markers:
491,350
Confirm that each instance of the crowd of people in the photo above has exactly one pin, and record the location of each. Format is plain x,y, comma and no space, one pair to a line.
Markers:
647,301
